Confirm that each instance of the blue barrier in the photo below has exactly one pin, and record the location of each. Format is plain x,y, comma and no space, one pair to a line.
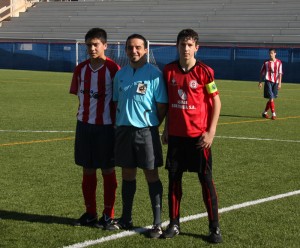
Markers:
228,62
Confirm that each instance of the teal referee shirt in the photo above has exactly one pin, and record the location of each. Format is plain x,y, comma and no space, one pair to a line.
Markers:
137,91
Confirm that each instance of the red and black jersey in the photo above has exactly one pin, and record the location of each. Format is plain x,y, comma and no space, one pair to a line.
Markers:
190,98
94,89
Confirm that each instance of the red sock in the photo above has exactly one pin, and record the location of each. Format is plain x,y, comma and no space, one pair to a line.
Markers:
272,105
267,106
109,187
89,186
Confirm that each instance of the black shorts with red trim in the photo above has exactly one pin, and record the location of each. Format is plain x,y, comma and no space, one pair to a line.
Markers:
183,155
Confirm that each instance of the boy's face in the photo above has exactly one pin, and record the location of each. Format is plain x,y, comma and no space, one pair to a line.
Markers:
135,50
187,48
272,55
95,48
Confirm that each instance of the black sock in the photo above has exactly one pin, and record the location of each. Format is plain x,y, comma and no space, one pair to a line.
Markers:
128,191
174,196
155,192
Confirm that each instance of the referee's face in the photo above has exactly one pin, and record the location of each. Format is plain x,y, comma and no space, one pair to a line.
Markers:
136,52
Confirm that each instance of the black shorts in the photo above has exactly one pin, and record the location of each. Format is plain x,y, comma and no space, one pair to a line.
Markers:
138,147
183,155
94,145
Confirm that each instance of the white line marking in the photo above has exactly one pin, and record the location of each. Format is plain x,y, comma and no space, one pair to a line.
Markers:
35,131
66,131
260,139
184,219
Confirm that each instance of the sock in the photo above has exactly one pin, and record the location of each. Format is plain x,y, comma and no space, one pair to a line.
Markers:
155,192
210,199
109,188
267,107
272,105
174,197
128,192
89,186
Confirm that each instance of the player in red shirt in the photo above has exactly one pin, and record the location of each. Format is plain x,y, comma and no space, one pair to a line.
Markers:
94,143
271,71
190,127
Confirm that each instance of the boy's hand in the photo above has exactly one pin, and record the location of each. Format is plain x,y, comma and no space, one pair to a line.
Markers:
279,86
260,85
206,140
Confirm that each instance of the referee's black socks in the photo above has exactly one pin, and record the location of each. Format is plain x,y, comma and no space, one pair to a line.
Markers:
155,192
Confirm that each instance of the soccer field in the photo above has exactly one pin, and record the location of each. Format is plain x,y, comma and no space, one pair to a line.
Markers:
256,171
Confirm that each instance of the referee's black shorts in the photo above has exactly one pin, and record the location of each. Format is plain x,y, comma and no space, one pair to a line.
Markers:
138,147
183,155
94,145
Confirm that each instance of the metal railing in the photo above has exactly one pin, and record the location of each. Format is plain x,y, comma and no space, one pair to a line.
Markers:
14,8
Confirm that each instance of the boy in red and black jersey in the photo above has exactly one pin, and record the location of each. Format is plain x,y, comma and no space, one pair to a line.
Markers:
193,113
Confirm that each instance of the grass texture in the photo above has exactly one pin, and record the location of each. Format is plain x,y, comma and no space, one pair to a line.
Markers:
40,186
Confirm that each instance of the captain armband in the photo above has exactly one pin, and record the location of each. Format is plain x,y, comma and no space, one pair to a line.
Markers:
211,87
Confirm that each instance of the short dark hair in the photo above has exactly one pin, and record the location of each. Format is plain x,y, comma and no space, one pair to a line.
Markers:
136,36
272,49
187,34
97,33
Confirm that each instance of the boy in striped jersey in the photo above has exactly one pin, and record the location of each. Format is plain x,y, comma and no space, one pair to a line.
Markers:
271,71
193,113
92,82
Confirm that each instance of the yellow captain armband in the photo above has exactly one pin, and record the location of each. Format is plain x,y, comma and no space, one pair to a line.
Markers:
211,87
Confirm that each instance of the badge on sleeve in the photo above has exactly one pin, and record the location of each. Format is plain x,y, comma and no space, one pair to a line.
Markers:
141,88
211,87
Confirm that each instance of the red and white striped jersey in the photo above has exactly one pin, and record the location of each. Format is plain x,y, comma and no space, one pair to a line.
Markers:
94,90
271,70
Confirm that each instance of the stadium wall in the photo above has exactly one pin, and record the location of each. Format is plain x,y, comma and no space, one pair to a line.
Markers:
229,62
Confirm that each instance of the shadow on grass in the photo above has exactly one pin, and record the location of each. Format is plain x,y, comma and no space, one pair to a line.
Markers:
48,219
196,236
241,116
193,235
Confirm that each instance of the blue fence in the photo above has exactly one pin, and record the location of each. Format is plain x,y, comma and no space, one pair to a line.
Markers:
230,62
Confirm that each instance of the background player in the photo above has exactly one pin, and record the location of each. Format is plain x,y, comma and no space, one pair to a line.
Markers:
271,71
193,113
94,144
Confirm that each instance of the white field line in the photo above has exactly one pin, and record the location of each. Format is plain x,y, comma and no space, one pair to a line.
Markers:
258,139
184,219
223,137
